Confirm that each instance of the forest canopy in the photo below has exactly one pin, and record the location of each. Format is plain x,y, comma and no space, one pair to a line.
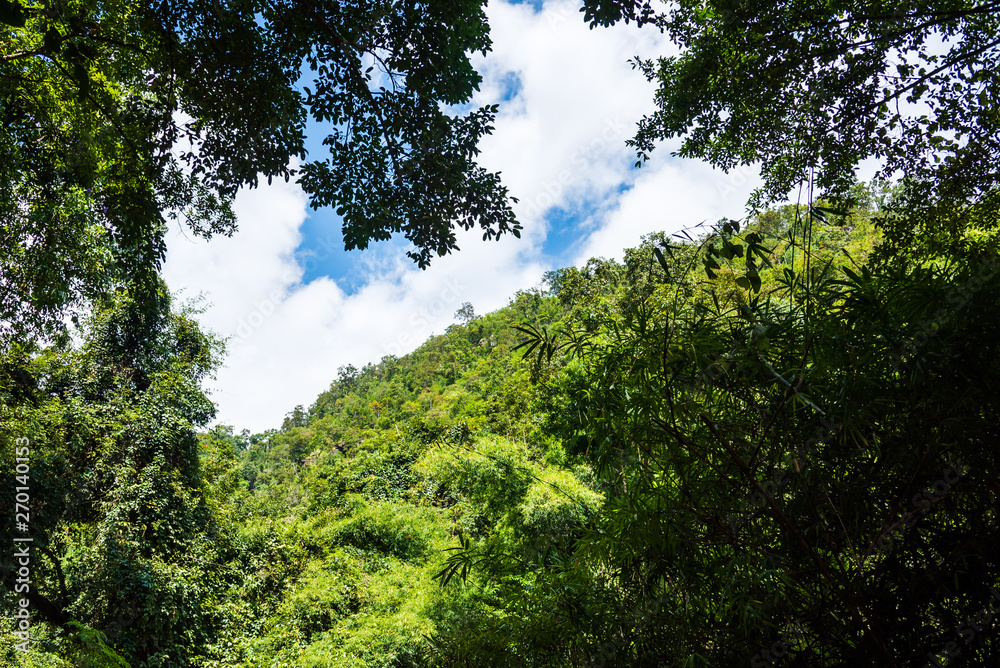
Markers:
810,91
798,87
118,116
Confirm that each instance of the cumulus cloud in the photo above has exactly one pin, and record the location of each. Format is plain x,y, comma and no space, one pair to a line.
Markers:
287,338
561,141
562,137
670,196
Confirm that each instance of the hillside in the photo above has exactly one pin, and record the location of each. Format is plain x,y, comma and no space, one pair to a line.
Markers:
703,455
462,442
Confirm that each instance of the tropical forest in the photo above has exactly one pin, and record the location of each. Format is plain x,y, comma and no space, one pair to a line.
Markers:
766,439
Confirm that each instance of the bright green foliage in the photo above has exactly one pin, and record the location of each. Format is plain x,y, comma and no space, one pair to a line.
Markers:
81,647
402,456
83,167
504,472
772,440
494,476
557,505
320,542
684,458
121,530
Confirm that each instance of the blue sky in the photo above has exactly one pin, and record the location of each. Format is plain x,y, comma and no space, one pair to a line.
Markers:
295,306
321,251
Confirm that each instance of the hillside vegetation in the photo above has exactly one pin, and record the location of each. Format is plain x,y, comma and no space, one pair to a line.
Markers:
736,445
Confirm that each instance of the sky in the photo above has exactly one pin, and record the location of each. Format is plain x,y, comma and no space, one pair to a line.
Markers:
295,306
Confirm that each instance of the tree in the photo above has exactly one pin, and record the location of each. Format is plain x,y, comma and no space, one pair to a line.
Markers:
297,418
121,530
466,313
799,87
97,97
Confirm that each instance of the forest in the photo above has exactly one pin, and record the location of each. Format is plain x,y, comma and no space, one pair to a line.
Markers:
762,441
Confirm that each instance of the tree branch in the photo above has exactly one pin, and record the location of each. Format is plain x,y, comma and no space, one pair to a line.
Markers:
359,80
21,54
897,94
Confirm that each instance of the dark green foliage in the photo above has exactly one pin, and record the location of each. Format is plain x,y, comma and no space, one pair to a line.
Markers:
685,466
823,87
759,451
95,96
116,503
770,441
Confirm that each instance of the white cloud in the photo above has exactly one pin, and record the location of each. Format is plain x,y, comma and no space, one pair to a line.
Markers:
668,196
563,136
287,339
560,141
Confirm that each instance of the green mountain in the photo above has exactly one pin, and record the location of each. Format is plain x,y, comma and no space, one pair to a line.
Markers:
749,444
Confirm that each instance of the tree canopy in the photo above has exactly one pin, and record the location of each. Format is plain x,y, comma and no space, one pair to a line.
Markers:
118,116
770,442
800,86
